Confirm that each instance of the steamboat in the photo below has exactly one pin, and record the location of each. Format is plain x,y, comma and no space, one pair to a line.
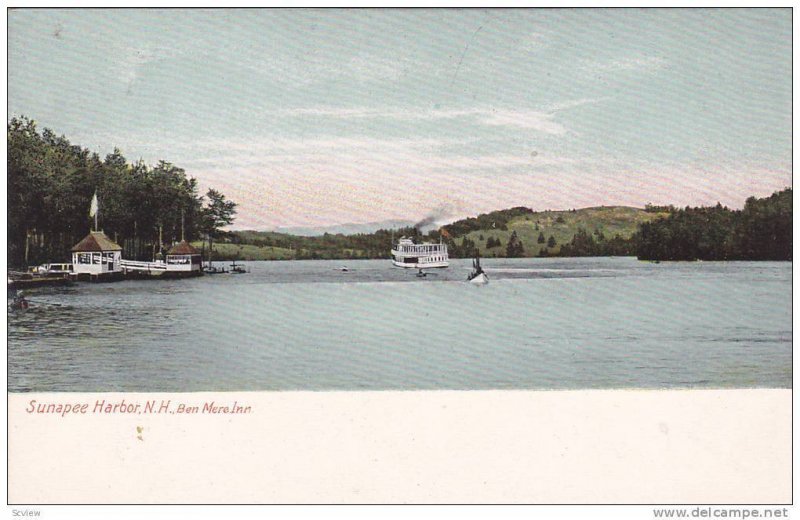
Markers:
427,255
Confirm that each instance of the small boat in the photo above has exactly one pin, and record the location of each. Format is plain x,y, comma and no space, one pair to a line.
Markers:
237,268
343,269
212,269
477,276
19,302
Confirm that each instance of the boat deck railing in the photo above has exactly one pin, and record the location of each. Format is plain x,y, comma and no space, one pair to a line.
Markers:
427,250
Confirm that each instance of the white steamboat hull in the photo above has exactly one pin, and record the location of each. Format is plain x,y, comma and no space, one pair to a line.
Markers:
420,265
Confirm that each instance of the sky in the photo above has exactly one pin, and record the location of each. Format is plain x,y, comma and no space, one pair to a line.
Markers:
323,117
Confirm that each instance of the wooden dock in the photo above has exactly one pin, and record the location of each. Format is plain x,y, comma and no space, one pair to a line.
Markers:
29,281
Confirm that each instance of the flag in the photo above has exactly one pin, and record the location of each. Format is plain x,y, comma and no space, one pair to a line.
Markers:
93,207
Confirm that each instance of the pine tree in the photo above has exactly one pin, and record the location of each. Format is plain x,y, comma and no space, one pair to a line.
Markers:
514,248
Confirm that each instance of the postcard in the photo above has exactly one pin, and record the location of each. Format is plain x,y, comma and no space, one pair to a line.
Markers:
392,256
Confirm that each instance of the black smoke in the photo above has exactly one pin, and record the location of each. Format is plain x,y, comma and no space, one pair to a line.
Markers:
435,215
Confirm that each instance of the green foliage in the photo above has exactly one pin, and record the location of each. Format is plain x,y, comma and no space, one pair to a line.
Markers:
51,183
514,248
761,231
217,213
585,244
468,249
551,242
650,208
487,221
493,242
614,220
540,240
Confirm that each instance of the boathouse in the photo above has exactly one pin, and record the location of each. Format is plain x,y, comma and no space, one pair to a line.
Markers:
96,256
184,257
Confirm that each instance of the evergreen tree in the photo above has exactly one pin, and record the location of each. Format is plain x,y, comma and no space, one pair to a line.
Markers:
514,248
761,231
51,183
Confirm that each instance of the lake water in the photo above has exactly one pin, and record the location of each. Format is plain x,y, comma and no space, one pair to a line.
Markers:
302,325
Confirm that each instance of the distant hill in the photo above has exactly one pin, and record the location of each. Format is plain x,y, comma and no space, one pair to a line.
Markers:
489,233
562,226
344,229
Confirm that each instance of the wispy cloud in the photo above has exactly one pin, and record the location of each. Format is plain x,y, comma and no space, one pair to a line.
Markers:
301,182
430,155
285,182
566,105
628,63
541,120
135,57
318,68
533,42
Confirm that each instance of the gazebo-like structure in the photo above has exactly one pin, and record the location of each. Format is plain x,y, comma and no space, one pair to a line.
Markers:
96,256
183,257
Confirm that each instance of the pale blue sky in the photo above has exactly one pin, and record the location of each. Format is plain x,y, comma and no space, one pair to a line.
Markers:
315,117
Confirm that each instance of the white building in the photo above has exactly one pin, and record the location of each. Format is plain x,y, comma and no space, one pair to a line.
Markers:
96,255
184,257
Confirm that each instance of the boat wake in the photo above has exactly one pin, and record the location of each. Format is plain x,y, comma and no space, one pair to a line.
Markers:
535,270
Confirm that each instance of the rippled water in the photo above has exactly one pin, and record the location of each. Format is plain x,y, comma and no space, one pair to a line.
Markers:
540,323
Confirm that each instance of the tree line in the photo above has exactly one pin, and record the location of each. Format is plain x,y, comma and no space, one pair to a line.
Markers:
762,230
143,208
146,208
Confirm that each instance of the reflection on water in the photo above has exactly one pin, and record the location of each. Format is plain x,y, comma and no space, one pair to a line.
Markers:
540,323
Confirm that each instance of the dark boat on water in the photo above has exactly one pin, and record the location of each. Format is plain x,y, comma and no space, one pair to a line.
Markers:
237,268
477,276
212,269
18,302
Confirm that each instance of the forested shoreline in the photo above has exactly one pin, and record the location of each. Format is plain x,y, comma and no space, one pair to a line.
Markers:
762,230
143,208
146,208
